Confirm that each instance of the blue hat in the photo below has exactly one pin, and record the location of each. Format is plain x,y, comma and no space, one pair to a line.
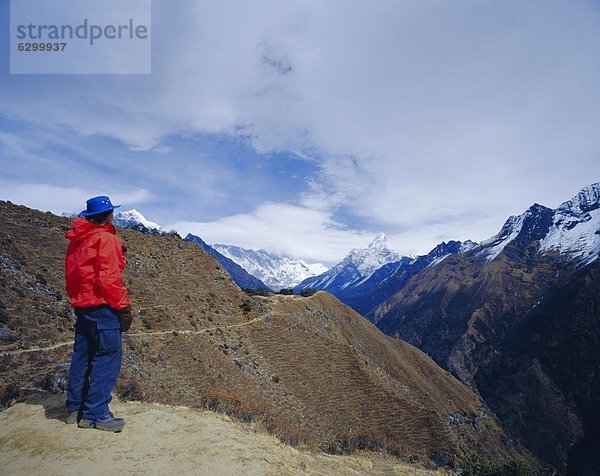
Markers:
98,205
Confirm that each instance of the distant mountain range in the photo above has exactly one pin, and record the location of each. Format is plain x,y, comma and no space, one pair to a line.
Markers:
276,271
355,268
133,219
571,229
384,282
368,276
249,269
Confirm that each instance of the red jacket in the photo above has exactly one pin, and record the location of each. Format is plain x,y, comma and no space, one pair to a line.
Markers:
93,266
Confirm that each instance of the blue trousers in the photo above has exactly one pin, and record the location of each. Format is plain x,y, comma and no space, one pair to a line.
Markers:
95,363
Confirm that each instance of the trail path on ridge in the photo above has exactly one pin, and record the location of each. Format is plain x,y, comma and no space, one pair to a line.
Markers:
136,334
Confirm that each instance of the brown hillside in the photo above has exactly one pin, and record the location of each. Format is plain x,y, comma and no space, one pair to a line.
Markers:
311,368
522,330
459,310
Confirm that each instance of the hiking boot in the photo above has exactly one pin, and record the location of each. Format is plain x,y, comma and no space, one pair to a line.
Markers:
84,423
72,417
107,423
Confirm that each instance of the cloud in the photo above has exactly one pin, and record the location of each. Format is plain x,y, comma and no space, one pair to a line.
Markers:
281,228
66,199
426,119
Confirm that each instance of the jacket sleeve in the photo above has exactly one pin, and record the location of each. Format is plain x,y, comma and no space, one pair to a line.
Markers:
110,280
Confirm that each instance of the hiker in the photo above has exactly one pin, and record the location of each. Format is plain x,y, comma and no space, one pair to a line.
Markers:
94,262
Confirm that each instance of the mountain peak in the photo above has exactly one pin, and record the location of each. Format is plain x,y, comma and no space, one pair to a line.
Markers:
132,218
572,228
586,200
380,241
367,260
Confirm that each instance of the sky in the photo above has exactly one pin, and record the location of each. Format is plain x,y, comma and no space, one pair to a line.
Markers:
306,127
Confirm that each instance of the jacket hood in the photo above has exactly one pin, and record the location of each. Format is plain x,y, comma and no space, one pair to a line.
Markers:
83,228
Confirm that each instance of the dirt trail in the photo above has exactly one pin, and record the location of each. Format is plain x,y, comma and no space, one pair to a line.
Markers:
161,439
135,334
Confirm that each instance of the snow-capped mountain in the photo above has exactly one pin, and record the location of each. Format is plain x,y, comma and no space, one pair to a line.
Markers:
519,311
573,229
277,272
358,265
367,260
133,219
443,250
363,293
241,277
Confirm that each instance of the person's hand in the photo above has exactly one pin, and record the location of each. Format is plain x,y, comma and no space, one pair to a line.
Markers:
126,318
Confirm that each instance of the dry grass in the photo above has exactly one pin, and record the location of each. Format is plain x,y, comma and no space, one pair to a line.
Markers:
224,401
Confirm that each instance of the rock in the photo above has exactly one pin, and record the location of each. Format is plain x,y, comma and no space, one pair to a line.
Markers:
56,382
239,362
6,336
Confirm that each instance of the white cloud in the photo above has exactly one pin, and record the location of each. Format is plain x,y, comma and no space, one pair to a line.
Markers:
427,118
314,235
281,228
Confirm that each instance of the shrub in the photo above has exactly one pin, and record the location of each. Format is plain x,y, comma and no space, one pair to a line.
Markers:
292,436
308,292
129,388
286,291
8,393
246,306
505,468
224,401
56,382
257,291
366,439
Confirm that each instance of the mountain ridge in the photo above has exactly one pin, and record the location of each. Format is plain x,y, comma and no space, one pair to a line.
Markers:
364,293
466,310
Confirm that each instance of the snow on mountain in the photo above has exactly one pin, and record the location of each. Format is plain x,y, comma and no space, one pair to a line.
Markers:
129,219
573,229
357,266
367,260
241,277
493,246
277,272
366,277
132,218
443,250
315,268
